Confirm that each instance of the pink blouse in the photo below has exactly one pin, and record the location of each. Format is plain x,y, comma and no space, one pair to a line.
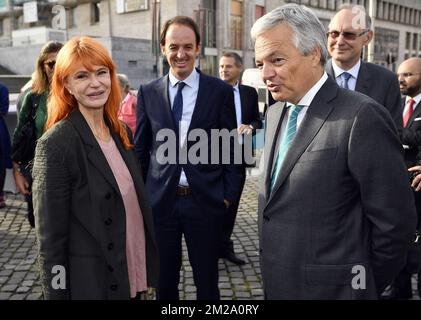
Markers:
135,232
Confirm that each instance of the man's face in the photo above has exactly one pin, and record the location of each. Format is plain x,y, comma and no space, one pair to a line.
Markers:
287,73
345,49
181,50
409,75
228,70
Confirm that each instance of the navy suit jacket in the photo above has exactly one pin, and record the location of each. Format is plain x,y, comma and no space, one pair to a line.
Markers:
210,183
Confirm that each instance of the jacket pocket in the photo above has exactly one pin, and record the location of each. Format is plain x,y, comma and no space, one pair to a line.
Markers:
330,274
322,154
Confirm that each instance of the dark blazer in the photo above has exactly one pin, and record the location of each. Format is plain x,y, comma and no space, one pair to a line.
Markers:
80,215
342,199
250,107
411,135
210,183
380,84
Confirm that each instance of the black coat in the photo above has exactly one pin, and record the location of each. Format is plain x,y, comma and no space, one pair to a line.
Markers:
80,215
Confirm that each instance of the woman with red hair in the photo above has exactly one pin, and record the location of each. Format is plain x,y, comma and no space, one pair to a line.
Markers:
93,219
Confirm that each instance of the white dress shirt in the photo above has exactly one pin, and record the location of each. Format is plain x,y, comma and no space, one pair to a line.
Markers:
189,102
305,102
352,82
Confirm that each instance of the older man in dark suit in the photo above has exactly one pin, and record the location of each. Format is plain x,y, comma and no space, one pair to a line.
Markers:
349,31
187,198
248,121
332,224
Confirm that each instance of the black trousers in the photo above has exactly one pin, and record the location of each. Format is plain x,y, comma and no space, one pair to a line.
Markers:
227,245
201,231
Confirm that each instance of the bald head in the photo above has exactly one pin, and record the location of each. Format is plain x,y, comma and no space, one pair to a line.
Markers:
409,74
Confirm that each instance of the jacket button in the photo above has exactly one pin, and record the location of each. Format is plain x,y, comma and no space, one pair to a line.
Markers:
266,218
108,196
114,287
110,246
110,268
108,222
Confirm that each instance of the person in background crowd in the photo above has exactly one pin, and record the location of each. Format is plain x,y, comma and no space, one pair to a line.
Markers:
350,30
5,160
127,111
34,109
409,76
327,213
248,121
92,212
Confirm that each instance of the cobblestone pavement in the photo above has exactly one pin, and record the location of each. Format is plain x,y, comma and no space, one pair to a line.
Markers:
19,278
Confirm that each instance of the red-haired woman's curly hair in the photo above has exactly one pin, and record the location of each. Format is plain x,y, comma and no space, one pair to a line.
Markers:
88,52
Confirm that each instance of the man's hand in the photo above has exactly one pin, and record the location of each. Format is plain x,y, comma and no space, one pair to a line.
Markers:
416,182
227,203
21,184
245,129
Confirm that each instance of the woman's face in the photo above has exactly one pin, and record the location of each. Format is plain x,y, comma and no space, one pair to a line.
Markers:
49,64
91,89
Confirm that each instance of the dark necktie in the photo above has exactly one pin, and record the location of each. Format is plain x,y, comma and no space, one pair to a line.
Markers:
177,108
408,112
345,78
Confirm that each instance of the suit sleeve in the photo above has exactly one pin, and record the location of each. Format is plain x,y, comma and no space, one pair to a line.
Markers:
4,100
411,136
254,103
375,160
52,201
143,134
232,177
394,104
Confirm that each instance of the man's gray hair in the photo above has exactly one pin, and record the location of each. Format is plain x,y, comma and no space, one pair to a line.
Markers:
309,33
357,10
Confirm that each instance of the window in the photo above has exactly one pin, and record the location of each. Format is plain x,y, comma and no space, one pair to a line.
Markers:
132,63
407,40
95,14
260,12
415,42
236,24
1,27
206,20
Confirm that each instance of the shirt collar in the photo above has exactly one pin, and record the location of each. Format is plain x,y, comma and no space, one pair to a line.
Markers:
237,86
353,71
309,96
190,80
417,99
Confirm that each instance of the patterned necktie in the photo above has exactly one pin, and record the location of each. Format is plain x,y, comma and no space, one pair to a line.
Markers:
408,112
177,108
287,138
345,78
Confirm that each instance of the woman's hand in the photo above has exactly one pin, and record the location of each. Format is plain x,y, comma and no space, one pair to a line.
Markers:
21,183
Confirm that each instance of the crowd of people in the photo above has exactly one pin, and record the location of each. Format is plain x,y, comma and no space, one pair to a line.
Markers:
341,170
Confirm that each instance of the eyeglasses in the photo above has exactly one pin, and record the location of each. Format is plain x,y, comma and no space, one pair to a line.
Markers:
407,74
50,64
347,35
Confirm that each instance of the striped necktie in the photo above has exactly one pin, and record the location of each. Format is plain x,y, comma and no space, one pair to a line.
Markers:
345,78
286,141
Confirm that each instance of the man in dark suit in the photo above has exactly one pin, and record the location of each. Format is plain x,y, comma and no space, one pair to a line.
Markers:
248,121
187,198
332,224
409,75
349,31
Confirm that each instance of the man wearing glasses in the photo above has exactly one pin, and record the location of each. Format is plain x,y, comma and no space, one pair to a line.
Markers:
349,31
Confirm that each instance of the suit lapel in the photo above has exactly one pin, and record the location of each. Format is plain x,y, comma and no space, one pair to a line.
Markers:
272,133
93,150
415,114
201,103
164,97
243,100
329,70
363,80
316,116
